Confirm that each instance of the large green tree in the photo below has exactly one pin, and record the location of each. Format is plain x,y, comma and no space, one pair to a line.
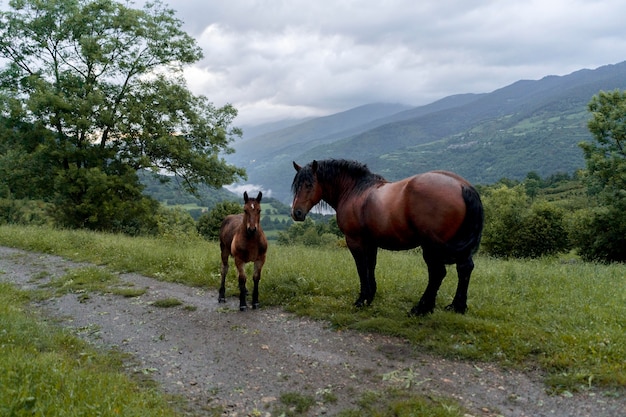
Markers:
602,235
105,80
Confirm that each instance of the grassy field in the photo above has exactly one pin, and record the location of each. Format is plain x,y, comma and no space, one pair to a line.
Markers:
45,371
563,316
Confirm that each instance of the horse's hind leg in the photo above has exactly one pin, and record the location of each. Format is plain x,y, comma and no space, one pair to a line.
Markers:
436,274
464,270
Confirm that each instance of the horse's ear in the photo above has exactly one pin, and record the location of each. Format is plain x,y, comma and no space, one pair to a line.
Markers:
245,196
296,166
314,166
258,197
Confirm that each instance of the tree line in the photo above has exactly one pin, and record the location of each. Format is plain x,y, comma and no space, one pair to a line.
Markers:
92,99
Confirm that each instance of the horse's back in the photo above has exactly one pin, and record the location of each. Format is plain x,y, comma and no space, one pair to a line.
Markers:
423,208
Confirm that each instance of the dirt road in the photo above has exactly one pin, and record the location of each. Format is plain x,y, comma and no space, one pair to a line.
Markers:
213,355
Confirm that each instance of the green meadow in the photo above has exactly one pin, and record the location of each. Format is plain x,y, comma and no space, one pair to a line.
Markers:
560,315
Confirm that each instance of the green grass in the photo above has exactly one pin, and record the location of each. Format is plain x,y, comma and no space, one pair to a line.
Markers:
167,303
45,371
560,315
396,403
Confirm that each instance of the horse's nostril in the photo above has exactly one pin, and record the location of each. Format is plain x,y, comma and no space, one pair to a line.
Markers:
297,214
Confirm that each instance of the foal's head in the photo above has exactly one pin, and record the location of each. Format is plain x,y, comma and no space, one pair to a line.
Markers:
252,212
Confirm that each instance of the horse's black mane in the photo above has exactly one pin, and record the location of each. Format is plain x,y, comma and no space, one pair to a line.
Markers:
330,170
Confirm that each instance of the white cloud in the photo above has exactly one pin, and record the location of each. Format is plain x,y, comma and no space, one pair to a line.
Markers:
251,189
280,59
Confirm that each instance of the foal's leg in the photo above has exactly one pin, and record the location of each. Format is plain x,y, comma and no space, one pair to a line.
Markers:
365,259
464,270
436,274
256,277
242,284
224,272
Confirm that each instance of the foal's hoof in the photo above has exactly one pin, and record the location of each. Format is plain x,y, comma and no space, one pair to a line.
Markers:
221,300
255,306
243,308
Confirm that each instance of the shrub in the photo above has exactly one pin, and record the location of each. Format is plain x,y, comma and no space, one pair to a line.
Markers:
175,223
310,233
24,212
515,227
96,200
209,224
600,234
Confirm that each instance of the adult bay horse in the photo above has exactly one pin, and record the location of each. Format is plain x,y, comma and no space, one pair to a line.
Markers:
437,210
242,237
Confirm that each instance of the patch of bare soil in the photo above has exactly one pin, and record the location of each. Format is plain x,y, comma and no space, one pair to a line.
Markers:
213,355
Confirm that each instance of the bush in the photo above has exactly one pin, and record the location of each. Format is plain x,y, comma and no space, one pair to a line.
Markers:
310,233
93,199
600,234
209,224
543,231
24,212
175,223
517,228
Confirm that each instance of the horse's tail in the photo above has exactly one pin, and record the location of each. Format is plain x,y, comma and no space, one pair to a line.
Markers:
467,238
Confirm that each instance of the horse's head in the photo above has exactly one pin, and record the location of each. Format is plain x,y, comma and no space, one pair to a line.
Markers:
306,190
252,212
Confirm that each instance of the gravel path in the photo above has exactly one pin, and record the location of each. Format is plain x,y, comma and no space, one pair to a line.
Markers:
213,355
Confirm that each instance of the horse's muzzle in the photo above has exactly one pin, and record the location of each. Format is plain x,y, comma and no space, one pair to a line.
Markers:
251,230
298,215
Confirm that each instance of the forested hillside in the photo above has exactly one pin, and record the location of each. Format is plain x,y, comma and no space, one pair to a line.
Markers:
526,126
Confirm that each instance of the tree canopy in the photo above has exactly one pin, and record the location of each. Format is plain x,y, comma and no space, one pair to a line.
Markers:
101,83
606,157
601,235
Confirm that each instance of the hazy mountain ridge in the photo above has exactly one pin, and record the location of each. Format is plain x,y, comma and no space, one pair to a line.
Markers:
526,126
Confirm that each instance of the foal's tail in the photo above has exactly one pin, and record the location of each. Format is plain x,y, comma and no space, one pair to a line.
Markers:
467,238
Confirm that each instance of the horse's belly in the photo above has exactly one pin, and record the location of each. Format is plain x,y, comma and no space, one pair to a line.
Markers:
247,252
398,245
397,241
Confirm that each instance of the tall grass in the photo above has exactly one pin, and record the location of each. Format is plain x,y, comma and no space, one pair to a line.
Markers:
563,316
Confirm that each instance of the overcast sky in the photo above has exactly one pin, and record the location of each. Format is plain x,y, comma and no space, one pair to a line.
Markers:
276,59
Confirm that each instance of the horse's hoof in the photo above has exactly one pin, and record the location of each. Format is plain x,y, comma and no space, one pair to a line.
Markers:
255,306
459,310
243,308
221,300
362,303
418,311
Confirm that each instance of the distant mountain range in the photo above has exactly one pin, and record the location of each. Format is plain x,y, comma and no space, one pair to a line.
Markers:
526,126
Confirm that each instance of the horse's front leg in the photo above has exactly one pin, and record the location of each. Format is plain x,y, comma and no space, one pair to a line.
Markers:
365,259
256,277
243,291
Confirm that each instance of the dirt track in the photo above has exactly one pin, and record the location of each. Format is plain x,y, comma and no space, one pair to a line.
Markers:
214,355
